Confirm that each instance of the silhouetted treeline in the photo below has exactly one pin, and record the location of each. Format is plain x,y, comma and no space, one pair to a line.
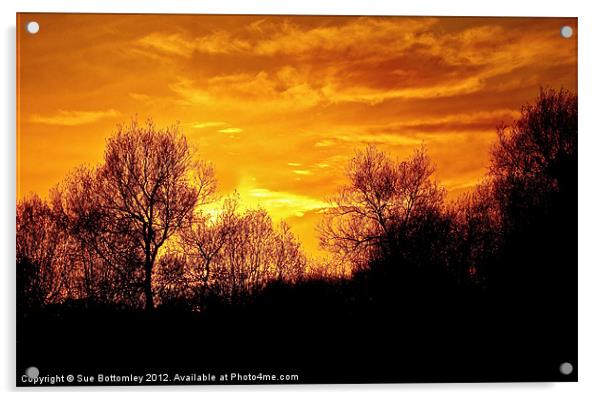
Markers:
136,229
489,276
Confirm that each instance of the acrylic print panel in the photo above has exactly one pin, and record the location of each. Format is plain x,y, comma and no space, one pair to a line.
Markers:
210,199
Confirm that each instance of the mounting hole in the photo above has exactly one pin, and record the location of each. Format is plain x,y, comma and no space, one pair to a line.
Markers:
566,32
566,368
32,27
32,372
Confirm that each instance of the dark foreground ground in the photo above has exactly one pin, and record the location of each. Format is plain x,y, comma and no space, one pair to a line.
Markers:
323,333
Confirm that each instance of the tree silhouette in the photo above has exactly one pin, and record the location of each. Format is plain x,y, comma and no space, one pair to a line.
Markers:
289,260
40,242
475,233
146,184
230,254
103,228
105,258
534,177
380,203
537,155
202,241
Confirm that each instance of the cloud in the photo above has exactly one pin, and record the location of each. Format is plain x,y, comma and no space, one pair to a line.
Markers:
283,204
188,94
366,36
459,121
283,90
141,97
72,118
171,44
461,183
209,124
230,130
325,143
283,36
413,130
365,60
301,172
219,42
373,138
337,93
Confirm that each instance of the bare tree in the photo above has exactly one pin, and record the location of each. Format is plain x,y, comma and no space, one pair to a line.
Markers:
288,258
245,264
380,202
176,285
203,240
232,253
147,184
475,234
105,258
537,154
40,242
327,269
534,178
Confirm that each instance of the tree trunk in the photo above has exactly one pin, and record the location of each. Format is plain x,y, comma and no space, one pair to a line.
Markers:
148,289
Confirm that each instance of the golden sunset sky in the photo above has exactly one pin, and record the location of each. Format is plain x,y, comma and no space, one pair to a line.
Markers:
280,103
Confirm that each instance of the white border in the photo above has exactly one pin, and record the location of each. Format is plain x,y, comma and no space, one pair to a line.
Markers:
590,193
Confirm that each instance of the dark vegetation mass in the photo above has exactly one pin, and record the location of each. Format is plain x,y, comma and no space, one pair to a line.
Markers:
125,266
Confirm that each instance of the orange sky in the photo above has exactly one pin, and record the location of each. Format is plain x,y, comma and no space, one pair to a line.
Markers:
279,104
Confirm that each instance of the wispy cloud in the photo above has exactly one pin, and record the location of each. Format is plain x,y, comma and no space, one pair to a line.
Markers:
284,204
363,60
210,124
230,130
269,38
325,143
219,42
72,118
283,90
